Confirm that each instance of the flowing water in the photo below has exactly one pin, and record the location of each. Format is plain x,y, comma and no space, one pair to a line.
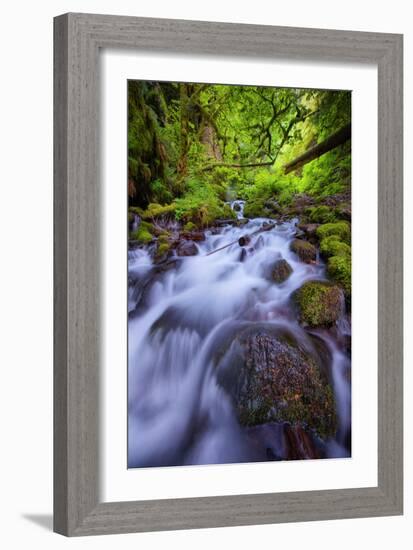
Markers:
178,413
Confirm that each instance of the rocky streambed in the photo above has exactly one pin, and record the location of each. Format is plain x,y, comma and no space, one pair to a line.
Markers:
239,353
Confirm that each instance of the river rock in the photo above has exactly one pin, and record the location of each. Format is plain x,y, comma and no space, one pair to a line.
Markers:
243,255
281,270
310,231
187,248
272,377
193,235
259,243
236,207
319,303
304,250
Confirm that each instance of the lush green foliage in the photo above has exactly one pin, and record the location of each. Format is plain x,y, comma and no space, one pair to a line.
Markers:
201,205
194,147
233,140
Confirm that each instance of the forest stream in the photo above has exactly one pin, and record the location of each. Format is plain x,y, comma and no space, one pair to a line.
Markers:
213,340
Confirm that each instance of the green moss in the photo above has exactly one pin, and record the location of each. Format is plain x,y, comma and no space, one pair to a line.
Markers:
136,210
190,226
164,245
320,214
341,229
339,269
143,234
155,210
332,246
319,303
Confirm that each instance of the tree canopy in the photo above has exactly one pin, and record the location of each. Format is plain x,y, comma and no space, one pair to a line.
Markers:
194,146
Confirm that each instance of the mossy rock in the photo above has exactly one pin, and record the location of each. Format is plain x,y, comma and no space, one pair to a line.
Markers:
319,303
340,229
163,248
281,270
320,214
332,246
272,377
304,250
343,211
143,234
339,269
155,210
190,226
187,248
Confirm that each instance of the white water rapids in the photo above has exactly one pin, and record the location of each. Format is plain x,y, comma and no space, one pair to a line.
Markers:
177,412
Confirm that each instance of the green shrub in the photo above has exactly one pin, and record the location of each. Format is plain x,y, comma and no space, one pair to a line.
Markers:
202,206
160,191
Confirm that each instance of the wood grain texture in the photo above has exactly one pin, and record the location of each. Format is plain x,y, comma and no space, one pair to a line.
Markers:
77,506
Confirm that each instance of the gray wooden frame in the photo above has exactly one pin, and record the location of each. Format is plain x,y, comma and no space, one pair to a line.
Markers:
78,39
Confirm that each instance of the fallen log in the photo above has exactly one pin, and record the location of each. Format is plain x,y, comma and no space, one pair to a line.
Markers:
340,137
244,240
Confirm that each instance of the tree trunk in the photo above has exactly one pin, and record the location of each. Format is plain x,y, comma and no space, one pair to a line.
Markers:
182,167
210,141
340,137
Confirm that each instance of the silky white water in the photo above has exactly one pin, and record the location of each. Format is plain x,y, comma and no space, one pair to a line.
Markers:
177,412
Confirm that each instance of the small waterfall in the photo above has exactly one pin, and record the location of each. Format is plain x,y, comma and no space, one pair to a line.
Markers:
238,207
178,413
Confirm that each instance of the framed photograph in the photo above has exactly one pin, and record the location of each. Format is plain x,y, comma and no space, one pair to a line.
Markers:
228,274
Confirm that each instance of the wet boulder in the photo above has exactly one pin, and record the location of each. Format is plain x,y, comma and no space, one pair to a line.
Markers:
187,248
319,303
304,250
193,235
273,377
259,243
310,231
281,270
